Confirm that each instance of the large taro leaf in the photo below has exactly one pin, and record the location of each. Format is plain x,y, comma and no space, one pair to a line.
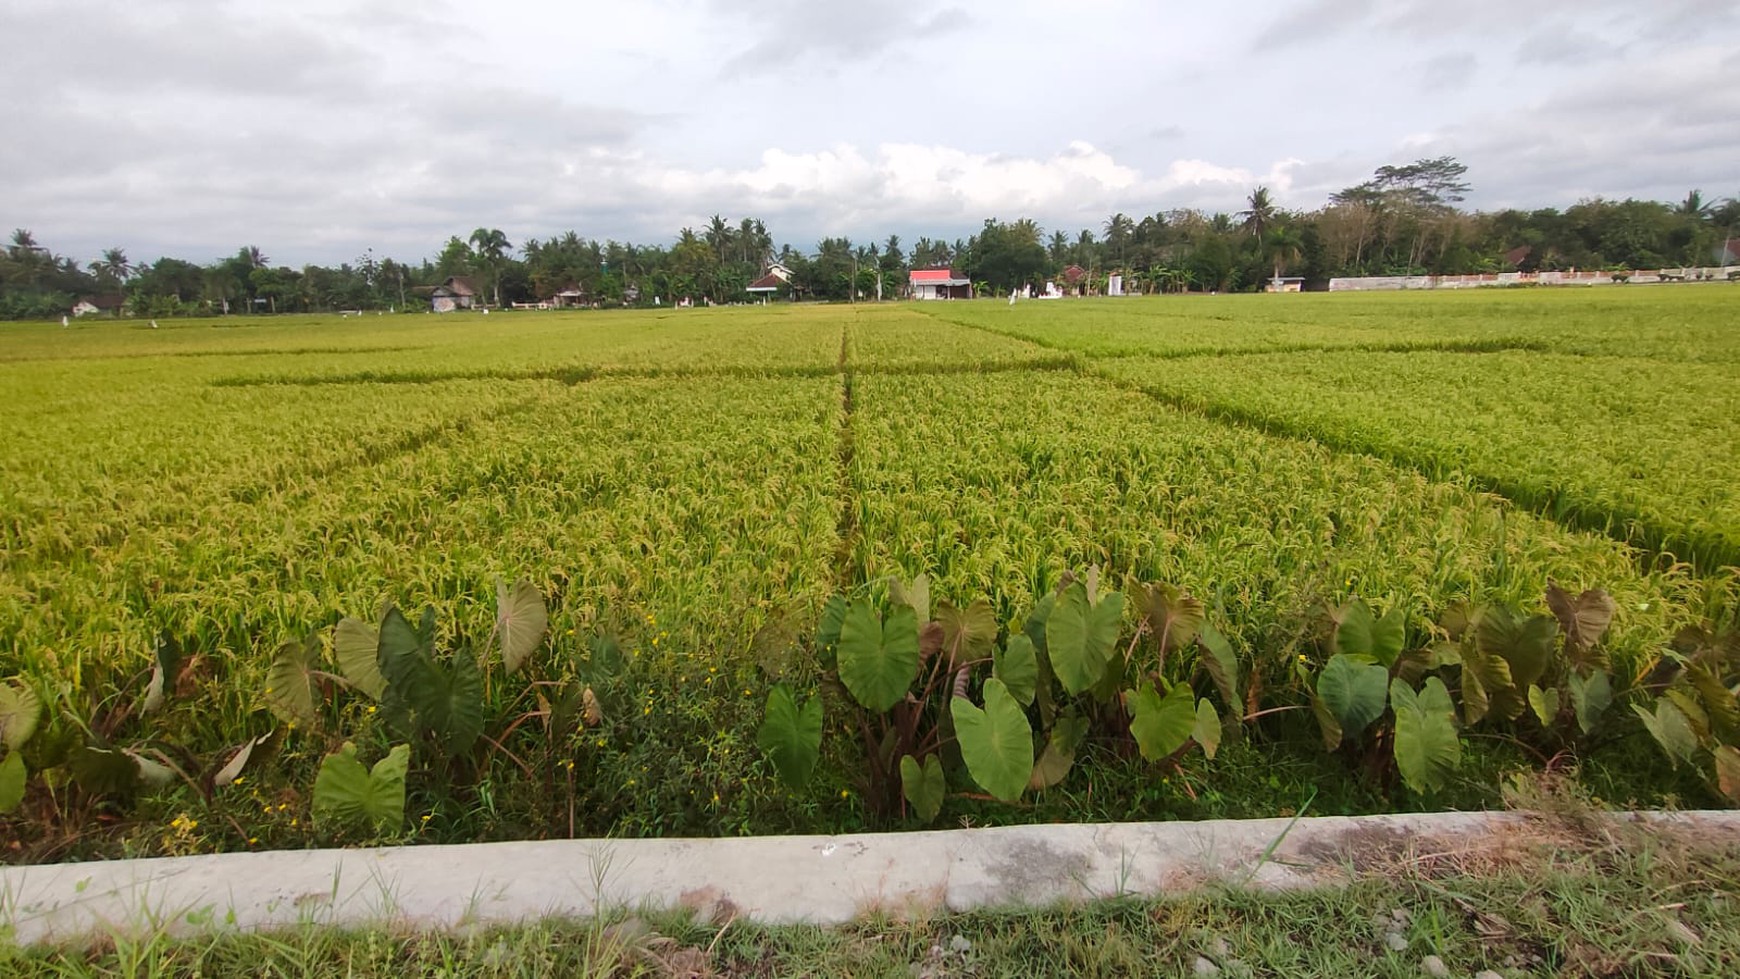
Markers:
1018,667
1671,730
1220,663
1526,646
1326,724
878,657
1207,729
1584,620
1059,755
290,680
1172,616
19,711
996,741
346,792
1161,725
448,699
791,735
1353,692
1080,638
968,634
1717,700
104,771
1590,697
915,596
1360,634
1545,704
923,785
520,621
356,646
1427,747
12,775
1727,772
1478,672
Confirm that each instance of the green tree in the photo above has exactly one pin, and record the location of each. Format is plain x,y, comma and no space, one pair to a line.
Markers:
491,247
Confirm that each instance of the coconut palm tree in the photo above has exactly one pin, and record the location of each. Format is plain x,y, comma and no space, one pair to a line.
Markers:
1695,207
1284,246
492,247
1260,214
113,269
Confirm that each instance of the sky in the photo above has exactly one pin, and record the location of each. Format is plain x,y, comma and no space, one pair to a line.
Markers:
321,129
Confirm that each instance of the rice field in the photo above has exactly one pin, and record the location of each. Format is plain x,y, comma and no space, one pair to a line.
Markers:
693,482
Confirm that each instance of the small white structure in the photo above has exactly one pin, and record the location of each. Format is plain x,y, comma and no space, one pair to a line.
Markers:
1115,285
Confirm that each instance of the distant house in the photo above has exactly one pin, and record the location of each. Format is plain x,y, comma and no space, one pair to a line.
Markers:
939,284
1518,255
569,297
88,305
1730,253
1285,283
778,277
1075,280
458,292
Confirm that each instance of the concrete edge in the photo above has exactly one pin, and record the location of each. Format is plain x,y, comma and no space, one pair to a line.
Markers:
775,880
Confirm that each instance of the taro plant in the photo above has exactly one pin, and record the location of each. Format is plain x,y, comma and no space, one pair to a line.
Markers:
20,710
427,698
1065,665
895,662
1550,673
1542,677
105,749
1369,700
1693,712
1076,635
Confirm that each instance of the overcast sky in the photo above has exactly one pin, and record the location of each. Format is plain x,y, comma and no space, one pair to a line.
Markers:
319,128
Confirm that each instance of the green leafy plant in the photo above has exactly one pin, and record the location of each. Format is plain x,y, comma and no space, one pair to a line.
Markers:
347,793
1366,702
20,709
1692,710
1056,676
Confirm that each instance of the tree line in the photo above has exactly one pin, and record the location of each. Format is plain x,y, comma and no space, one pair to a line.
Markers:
1404,220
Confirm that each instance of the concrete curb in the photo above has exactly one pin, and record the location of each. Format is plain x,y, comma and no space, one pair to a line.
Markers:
819,879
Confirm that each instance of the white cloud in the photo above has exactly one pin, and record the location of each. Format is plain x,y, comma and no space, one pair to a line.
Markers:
323,128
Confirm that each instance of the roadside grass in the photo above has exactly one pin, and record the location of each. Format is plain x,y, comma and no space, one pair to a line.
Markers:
1565,893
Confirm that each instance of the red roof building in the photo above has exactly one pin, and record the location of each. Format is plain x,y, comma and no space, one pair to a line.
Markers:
939,284
776,279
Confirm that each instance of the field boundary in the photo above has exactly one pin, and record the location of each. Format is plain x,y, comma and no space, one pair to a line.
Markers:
584,375
772,880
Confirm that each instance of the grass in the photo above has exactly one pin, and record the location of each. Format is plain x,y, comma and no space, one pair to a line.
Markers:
696,482
1565,893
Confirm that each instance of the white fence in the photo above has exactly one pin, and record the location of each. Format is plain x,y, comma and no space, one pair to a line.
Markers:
1380,283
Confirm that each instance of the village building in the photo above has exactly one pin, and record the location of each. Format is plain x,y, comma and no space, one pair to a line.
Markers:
939,284
1075,280
569,297
777,279
457,292
90,305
